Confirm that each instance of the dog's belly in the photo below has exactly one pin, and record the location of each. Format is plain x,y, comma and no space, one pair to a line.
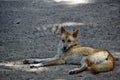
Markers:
74,59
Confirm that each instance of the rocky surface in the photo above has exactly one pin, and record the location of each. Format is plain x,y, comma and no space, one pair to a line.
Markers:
30,29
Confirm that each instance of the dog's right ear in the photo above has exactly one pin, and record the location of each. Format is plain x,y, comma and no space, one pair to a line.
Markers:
62,30
75,33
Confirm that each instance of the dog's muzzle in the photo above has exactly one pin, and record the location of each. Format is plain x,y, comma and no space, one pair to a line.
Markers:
65,47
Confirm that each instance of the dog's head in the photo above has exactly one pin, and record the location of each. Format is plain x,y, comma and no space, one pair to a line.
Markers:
68,39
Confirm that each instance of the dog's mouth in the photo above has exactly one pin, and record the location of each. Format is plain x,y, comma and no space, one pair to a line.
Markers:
65,48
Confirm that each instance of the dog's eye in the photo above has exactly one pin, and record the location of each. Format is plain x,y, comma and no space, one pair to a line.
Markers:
69,40
63,40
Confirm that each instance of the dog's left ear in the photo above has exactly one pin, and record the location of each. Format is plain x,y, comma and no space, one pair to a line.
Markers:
75,33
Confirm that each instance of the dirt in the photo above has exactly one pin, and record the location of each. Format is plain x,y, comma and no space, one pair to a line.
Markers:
30,29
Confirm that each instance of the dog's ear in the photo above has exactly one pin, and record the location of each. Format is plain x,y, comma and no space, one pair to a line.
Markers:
75,33
62,29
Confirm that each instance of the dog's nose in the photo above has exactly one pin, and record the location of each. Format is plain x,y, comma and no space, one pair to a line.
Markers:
64,47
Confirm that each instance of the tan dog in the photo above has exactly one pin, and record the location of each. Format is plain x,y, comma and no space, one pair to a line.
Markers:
70,52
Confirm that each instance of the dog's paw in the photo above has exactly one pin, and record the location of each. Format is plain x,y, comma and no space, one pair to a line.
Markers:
36,65
28,61
72,72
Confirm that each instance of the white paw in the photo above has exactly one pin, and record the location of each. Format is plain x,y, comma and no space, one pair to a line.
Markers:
72,72
36,65
28,61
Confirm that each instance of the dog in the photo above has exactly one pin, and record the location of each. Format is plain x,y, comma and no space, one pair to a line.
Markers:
70,52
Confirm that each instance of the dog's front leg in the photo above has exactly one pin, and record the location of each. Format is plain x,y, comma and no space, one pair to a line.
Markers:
30,61
47,63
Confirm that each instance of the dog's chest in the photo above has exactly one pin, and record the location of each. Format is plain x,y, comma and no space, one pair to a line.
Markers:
73,59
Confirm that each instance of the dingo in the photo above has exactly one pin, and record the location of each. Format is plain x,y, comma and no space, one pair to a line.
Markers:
70,52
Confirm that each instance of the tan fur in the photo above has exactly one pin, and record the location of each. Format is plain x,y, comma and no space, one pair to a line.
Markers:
96,60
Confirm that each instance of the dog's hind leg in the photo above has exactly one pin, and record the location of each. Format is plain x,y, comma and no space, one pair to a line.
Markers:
102,67
84,66
78,70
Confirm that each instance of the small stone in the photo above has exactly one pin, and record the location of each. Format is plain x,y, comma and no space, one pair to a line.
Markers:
17,21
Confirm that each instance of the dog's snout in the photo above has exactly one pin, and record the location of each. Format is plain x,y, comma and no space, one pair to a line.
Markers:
65,47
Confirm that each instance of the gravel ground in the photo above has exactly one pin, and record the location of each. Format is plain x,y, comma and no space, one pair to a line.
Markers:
30,29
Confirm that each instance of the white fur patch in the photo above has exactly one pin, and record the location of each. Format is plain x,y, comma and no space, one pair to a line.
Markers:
36,65
98,57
